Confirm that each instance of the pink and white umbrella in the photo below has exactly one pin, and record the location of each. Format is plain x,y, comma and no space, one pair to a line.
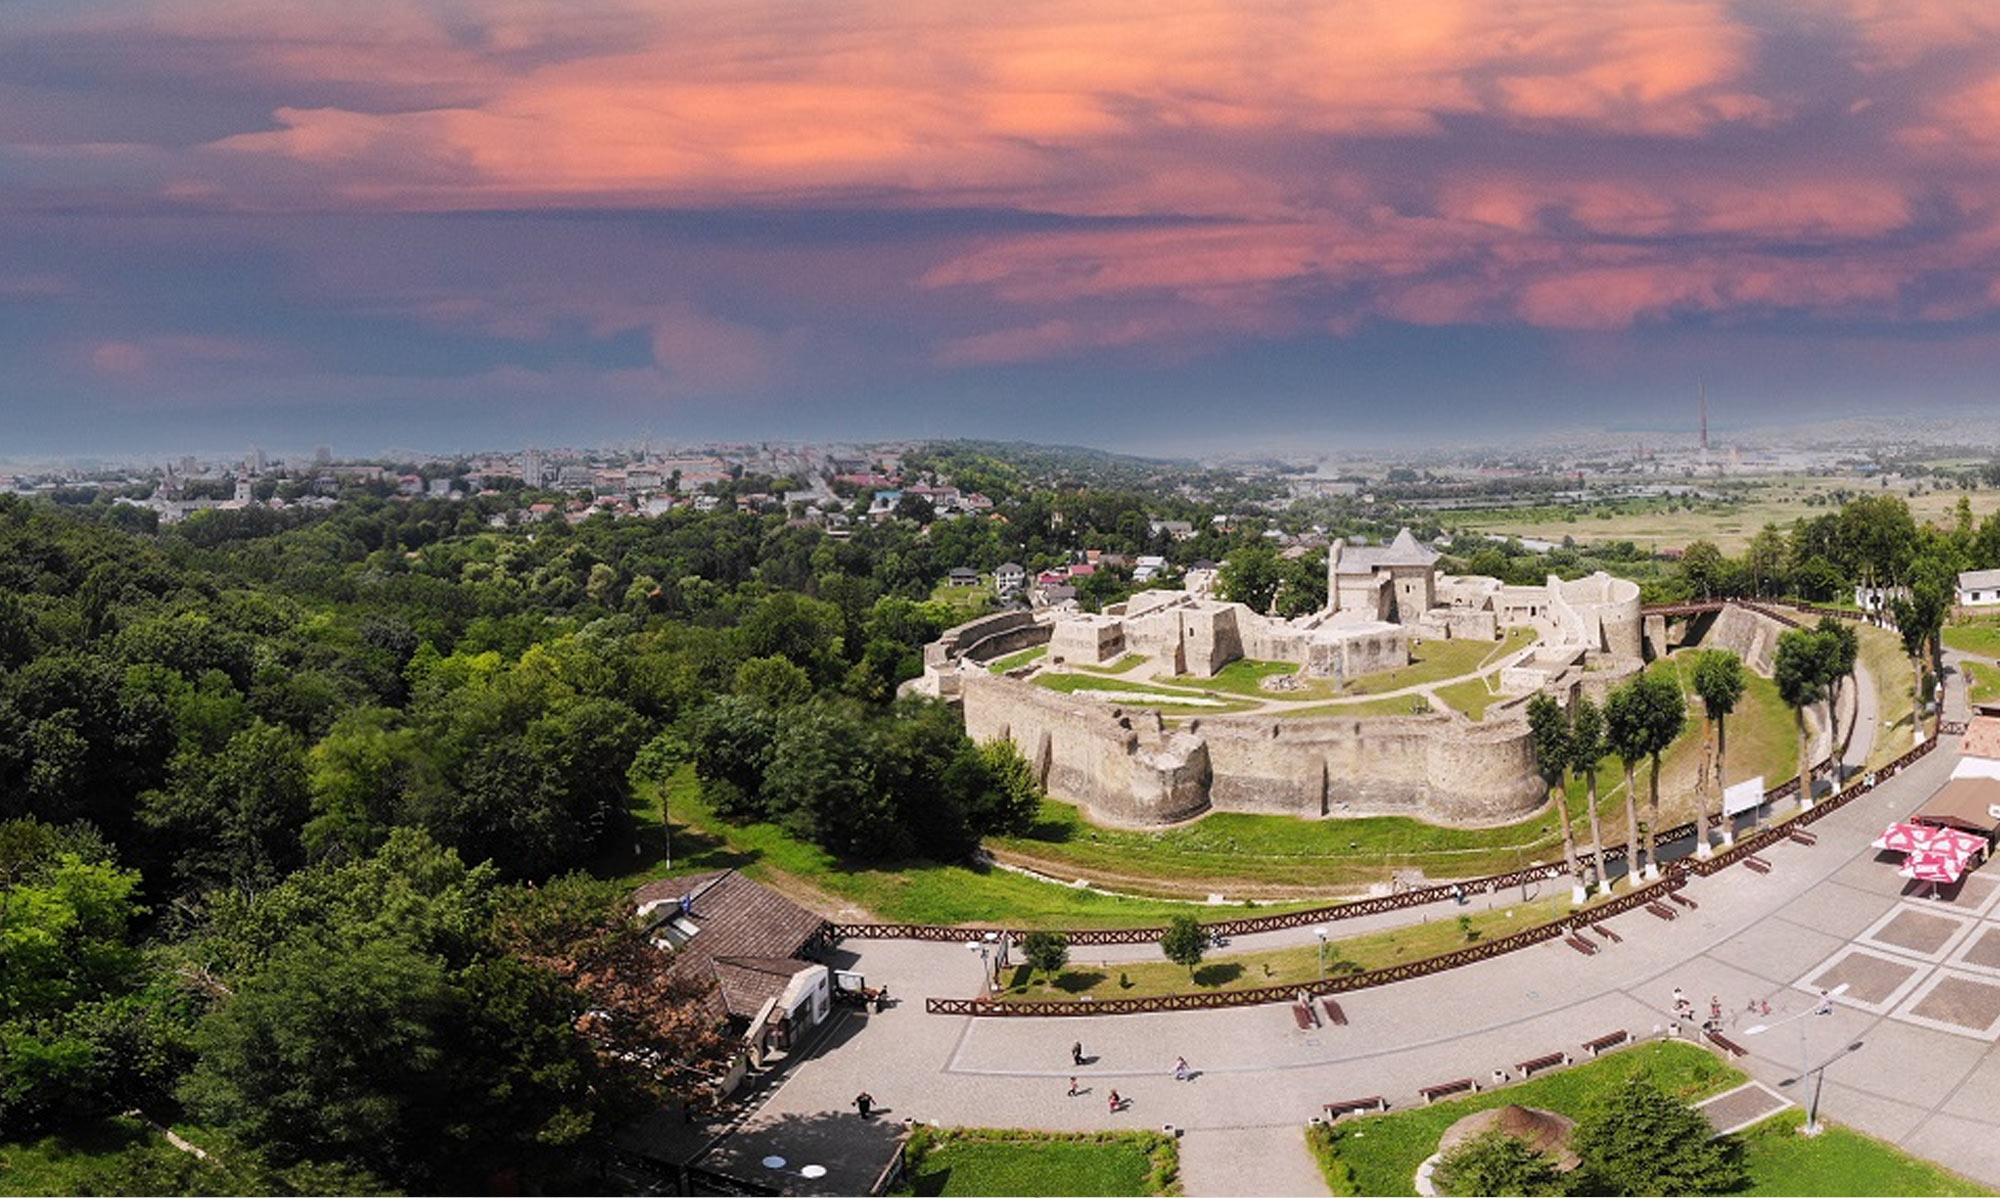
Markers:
1963,845
1933,867
1903,838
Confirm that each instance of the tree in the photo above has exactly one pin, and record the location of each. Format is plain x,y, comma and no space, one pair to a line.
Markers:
1046,952
1719,681
1494,1162
1642,718
1800,672
1841,647
1704,568
1251,576
1013,798
1550,729
1184,942
1920,621
1587,748
1638,1139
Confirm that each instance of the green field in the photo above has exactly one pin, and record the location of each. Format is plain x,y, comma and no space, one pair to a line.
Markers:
1979,637
1982,682
1751,503
972,1161
1471,697
898,891
1379,1154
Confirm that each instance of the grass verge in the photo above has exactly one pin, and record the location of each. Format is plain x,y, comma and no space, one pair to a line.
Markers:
1453,928
1014,661
974,1161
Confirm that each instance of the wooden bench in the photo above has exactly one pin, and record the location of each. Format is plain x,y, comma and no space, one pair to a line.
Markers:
1726,1044
1607,933
1335,1110
1334,1015
1607,1041
1463,1085
1801,836
1757,863
1554,1060
1303,1016
1683,900
1580,944
1663,912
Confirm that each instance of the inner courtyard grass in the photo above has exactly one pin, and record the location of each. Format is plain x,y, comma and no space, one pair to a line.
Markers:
1379,1154
971,1161
1014,661
1435,661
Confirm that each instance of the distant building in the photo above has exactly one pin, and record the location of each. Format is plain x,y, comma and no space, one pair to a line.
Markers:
531,468
1979,588
961,576
1009,578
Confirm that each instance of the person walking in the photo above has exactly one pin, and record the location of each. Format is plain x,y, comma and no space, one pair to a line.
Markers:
1180,1069
864,1102
1072,1087
1076,1054
1115,1102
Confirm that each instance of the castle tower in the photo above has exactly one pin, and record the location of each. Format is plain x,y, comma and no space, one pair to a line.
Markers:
1333,574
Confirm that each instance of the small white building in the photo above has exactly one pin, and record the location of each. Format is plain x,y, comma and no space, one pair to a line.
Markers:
1009,578
1979,588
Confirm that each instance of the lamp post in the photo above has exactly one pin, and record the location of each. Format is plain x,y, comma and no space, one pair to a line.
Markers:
1823,1007
979,946
1321,931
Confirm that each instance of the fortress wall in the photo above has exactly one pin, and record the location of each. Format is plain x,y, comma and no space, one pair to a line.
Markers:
1125,768
1120,766
976,638
1610,608
1750,635
1433,767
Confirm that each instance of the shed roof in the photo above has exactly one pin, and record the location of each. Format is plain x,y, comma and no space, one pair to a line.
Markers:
1962,803
1982,579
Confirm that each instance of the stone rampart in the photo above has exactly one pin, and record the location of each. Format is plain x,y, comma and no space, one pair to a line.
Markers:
986,638
1126,768
1751,635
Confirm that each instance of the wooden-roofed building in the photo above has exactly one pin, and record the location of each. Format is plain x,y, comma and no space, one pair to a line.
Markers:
754,943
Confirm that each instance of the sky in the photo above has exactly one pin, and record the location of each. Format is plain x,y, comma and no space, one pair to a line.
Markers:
461,224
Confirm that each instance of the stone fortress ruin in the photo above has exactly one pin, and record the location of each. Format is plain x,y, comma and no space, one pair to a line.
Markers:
1129,765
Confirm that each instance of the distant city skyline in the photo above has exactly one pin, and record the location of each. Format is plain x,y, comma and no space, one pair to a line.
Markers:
494,223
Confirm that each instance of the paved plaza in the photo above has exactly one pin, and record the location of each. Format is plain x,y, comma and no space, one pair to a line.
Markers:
1923,1007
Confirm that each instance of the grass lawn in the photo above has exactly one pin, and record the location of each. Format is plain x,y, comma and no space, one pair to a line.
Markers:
1379,1154
1361,709
900,891
978,1162
968,601
1440,661
1882,654
1982,682
1165,699
1124,665
1014,661
1838,1161
1979,637
1284,967
1473,697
